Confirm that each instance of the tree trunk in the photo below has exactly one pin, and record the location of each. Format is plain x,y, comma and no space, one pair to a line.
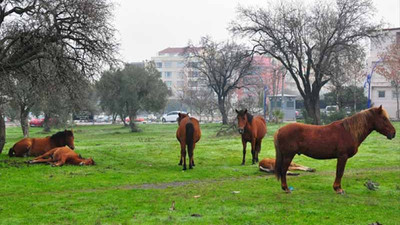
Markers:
397,99
221,106
114,118
132,124
311,104
123,120
24,120
2,130
46,122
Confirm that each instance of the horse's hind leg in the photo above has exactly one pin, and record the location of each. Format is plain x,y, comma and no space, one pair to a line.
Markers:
40,160
258,149
183,154
253,150
287,159
190,151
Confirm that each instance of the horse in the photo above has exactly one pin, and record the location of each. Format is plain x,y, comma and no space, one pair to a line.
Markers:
268,165
189,134
39,146
252,129
339,139
60,156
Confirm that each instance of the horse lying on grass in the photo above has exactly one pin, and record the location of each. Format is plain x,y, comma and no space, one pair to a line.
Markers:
39,146
60,156
339,139
253,129
189,134
268,165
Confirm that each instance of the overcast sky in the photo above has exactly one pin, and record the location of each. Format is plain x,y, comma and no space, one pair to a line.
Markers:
148,26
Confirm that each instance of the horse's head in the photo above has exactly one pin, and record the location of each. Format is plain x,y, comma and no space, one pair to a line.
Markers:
181,116
87,162
242,119
382,123
69,138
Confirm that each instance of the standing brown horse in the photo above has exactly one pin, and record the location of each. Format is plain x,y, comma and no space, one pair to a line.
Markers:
60,156
252,129
39,146
189,134
339,139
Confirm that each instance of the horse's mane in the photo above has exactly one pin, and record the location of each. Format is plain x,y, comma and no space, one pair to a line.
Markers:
61,135
249,117
356,124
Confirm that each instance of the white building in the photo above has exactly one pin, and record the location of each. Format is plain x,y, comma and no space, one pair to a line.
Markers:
381,91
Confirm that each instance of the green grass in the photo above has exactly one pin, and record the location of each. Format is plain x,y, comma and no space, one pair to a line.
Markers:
136,178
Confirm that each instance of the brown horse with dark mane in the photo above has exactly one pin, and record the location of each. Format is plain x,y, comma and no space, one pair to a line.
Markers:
339,139
189,134
60,156
39,146
253,129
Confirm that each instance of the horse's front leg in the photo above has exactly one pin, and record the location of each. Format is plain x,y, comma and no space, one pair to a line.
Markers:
244,143
253,150
341,163
258,149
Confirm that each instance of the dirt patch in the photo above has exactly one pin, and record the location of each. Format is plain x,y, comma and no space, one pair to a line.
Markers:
11,163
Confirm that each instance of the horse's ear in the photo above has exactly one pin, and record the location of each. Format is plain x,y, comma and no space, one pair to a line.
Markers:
245,111
237,111
380,109
179,114
65,130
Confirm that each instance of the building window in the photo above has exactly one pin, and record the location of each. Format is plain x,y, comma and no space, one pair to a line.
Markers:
159,64
167,74
167,64
381,94
395,95
180,64
290,104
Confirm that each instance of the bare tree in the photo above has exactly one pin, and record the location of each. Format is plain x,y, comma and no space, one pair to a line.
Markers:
77,31
306,39
222,65
198,98
390,69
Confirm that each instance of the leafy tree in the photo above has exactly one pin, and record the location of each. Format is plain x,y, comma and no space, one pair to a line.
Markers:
76,31
346,98
137,88
222,65
306,39
390,69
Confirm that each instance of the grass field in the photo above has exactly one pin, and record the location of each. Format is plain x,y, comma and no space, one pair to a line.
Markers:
137,178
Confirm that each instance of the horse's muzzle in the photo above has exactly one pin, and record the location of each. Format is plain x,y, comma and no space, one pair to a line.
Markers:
241,131
391,136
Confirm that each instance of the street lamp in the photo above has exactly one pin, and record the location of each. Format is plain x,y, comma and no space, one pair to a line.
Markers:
368,81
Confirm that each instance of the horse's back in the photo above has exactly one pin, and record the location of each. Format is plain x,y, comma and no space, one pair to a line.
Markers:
65,152
40,146
261,126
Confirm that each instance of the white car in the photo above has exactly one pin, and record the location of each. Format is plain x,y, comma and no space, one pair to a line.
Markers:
171,116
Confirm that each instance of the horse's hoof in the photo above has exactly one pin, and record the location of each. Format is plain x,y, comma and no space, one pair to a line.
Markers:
340,192
184,168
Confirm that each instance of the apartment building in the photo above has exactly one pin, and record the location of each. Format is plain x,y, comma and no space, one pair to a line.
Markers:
381,91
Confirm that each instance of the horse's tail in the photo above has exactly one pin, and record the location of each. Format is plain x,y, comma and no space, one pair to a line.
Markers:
189,136
279,158
11,152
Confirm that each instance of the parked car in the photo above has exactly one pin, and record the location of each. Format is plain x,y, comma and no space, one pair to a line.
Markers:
331,109
171,116
36,122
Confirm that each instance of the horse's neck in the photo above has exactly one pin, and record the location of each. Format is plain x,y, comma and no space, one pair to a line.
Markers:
363,135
